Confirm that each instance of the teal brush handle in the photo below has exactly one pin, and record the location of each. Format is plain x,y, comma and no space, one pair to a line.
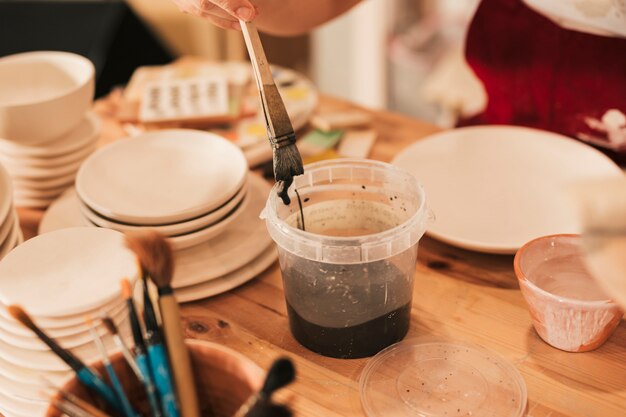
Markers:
127,409
142,363
163,379
97,385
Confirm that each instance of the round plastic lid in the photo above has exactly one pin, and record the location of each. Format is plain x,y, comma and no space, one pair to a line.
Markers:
440,378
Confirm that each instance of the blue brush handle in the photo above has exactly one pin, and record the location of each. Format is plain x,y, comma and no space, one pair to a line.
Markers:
93,382
163,379
117,387
142,363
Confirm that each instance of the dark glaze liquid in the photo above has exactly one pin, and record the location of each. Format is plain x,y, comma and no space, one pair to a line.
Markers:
352,342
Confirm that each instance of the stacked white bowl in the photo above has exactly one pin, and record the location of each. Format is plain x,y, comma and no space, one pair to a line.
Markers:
10,232
194,187
46,129
58,279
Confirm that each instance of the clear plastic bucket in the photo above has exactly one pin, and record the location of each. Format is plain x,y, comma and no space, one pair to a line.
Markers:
348,277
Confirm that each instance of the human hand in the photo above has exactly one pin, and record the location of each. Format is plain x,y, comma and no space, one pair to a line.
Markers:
222,13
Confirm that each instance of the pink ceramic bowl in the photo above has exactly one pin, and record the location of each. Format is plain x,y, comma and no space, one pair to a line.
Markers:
568,309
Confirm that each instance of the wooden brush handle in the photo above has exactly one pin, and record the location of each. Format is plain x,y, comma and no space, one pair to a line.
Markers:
276,116
179,357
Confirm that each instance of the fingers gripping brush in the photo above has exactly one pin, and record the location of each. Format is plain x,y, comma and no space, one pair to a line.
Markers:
155,255
287,159
85,375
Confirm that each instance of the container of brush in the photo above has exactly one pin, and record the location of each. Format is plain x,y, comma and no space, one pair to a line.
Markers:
224,378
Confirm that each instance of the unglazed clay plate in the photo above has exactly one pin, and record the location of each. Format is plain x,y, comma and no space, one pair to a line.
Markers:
48,162
239,244
161,177
494,188
6,194
29,376
6,226
170,229
66,272
83,136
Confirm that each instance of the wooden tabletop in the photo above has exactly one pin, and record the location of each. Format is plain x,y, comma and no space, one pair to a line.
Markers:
459,295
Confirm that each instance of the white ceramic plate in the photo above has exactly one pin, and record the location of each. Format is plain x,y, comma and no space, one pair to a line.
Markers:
40,203
67,342
161,177
241,242
39,194
493,188
6,226
85,135
228,281
28,376
6,194
43,184
13,239
81,267
51,162
14,407
170,229
34,173
607,18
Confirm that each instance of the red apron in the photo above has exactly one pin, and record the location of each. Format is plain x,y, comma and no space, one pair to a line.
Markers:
541,75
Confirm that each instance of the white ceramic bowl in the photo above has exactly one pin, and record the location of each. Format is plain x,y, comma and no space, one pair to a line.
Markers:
43,95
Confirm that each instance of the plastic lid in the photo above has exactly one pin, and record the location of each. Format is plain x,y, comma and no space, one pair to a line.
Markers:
420,378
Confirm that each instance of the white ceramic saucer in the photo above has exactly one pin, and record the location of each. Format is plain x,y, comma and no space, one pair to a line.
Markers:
228,281
161,177
33,172
80,266
170,229
68,342
494,188
241,242
84,135
48,162
6,194
42,194
44,184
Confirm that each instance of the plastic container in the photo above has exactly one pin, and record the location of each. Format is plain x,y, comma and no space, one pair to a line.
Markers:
434,377
348,277
568,309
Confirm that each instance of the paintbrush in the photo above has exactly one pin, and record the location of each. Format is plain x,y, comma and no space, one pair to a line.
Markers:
157,357
287,159
115,381
280,374
85,375
69,397
134,366
155,255
69,409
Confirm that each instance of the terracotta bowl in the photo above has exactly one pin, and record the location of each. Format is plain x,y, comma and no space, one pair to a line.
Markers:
224,379
43,95
568,309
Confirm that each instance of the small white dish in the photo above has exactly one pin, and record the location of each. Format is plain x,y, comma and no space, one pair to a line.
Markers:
28,376
83,136
228,281
67,342
81,266
44,184
6,193
43,95
174,228
494,188
239,244
161,177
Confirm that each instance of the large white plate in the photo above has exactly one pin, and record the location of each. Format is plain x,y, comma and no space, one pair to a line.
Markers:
607,18
493,188
161,177
240,244
66,272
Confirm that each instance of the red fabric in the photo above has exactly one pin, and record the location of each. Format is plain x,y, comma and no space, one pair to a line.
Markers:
541,75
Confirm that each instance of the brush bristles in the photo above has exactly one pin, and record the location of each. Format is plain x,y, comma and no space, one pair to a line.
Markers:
20,315
154,254
127,291
109,324
280,374
287,163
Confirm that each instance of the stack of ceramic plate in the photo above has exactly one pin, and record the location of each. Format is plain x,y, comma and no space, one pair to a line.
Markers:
45,128
194,187
10,232
58,279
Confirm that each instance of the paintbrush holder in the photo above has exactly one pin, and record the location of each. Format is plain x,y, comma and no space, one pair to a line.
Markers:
224,380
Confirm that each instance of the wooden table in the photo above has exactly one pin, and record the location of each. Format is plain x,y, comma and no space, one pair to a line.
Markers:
458,294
